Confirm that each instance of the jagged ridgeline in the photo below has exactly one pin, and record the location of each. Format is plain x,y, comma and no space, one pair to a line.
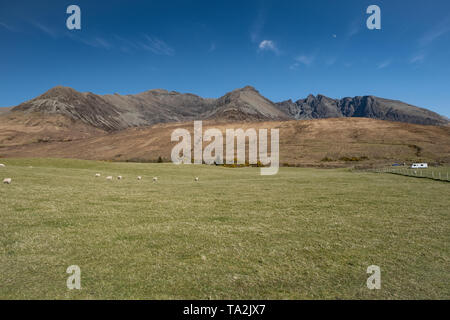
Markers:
116,112
318,107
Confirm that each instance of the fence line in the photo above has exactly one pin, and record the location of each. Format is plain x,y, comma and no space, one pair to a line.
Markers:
429,173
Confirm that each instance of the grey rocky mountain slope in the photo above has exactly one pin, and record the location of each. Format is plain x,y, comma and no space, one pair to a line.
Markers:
245,104
316,107
116,112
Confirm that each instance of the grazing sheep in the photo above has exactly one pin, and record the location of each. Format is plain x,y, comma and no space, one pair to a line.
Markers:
2,165
139,178
155,179
196,179
97,175
7,181
109,178
119,177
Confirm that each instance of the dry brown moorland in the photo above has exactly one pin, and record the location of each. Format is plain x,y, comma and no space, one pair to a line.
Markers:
333,142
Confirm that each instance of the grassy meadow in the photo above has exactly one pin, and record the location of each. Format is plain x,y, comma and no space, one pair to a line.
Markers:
301,234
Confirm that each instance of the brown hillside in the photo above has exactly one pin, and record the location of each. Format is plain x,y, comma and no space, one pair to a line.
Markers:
27,128
324,142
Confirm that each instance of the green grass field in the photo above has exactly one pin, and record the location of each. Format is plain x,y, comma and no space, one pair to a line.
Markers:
301,234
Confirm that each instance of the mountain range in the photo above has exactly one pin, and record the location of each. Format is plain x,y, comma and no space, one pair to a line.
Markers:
117,112
66,123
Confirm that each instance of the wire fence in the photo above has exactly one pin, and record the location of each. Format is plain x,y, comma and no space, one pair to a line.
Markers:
438,173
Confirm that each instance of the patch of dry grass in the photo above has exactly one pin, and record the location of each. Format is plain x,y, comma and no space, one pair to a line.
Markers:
302,234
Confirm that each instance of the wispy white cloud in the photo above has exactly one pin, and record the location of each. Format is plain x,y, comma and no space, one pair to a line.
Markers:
354,27
435,33
47,30
305,59
99,43
268,45
294,66
156,46
417,58
7,26
428,38
384,64
126,45
212,47
146,42
96,42
258,25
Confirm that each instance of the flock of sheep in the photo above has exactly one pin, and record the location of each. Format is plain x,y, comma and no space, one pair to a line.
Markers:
97,175
155,179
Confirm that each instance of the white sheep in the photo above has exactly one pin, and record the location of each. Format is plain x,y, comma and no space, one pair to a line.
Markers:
97,175
2,165
196,179
119,177
155,179
7,180
139,178
109,178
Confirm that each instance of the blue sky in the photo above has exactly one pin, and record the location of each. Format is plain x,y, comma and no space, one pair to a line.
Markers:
285,49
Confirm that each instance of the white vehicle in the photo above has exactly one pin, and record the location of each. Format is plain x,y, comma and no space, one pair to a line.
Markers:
419,165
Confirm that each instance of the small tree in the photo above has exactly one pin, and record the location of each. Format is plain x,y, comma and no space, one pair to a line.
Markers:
160,160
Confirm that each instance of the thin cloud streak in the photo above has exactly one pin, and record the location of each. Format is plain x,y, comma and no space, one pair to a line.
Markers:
156,46
354,28
438,31
96,42
47,30
294,66
100,43
418,58
384,64
147,43
257,26
212,47
7,26
305,59
126,45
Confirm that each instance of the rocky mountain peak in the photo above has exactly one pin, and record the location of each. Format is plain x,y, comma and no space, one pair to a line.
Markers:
116,112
